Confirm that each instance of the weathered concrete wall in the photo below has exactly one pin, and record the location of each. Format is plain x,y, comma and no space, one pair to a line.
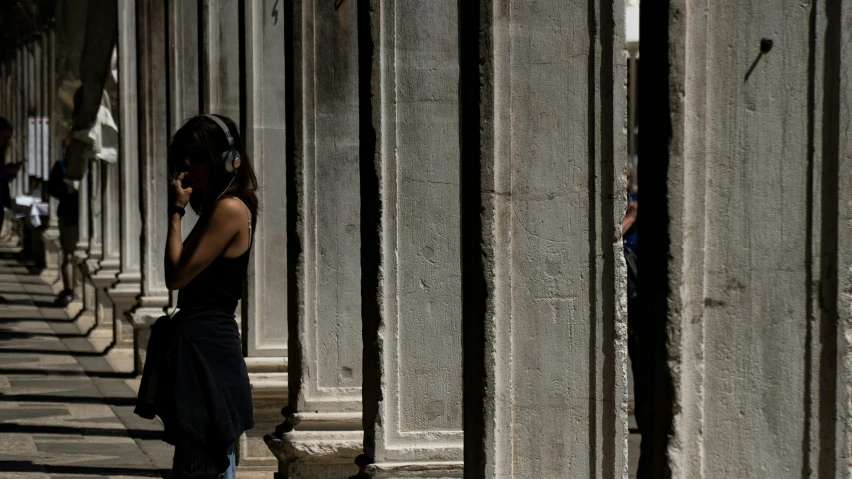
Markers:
843,429
222,67
266,141
553,150
128,288
153,108
267,302
755,322
416,119
323,420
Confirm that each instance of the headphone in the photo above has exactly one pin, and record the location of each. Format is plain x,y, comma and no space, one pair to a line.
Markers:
231,157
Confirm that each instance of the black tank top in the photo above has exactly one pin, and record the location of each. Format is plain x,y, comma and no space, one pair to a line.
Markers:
220,285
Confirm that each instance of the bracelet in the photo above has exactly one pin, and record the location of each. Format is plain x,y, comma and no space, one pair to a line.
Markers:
177,209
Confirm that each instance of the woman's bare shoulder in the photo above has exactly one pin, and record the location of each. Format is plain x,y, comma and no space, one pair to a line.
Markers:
228,210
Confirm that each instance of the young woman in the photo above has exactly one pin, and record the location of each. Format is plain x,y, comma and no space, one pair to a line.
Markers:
202,389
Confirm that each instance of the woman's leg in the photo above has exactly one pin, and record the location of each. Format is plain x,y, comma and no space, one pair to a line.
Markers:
231,473
191,460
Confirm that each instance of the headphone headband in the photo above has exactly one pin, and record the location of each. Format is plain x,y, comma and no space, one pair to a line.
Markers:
223,127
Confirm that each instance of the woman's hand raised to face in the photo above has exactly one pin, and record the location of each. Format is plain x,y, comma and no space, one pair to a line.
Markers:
181,195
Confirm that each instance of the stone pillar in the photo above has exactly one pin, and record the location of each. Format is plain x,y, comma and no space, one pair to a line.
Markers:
51,235
840,58
221,59
153,174
322,432
81,251
184,82
123,294
20,178
267,304
552,107
746,221
89,266
110,262
413,357
221,66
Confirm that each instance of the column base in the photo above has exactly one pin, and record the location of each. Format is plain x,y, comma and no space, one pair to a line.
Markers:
88,267
325,445
53,257
407,470
269,383
124,296
103,280
141,318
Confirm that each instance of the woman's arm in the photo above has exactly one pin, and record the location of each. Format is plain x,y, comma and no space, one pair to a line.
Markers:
183,262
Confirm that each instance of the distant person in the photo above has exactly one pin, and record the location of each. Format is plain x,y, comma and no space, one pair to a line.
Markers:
7,170
68,215
196,358
636,338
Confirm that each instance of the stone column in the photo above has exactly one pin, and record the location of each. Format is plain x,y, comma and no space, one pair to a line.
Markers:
23,122
221,66
747,137
81,250
221,59
94,250
123,294
322,432
110,262
33,109
413,356
153,174
184,82
552,105
843,445
51,235
267,304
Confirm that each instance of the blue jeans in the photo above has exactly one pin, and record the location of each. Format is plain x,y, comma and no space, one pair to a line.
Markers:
192,461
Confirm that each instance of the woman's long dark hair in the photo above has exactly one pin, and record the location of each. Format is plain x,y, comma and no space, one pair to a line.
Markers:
202,141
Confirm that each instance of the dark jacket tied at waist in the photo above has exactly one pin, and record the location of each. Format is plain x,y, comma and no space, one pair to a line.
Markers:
195,379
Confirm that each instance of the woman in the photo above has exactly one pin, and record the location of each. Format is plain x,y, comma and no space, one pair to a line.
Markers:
201,389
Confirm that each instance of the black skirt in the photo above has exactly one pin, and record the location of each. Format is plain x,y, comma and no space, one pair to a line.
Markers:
195,379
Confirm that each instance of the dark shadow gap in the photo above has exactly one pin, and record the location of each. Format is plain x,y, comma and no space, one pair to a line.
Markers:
48,398
9,335
29,466
654,116
371,210
807,400
591,181
201,33
241,36
141,434
294,245
829,211
608,239
53,352
473,287
44,320
167,24
65,373
29,302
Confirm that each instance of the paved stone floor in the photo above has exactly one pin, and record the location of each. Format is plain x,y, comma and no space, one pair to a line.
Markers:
64,410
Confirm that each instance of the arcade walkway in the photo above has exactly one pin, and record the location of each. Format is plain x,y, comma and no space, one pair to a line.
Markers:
64,411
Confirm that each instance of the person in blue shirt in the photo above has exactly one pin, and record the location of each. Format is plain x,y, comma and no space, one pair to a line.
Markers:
68,215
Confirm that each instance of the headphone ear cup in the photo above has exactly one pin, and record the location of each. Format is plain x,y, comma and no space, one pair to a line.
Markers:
231,160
